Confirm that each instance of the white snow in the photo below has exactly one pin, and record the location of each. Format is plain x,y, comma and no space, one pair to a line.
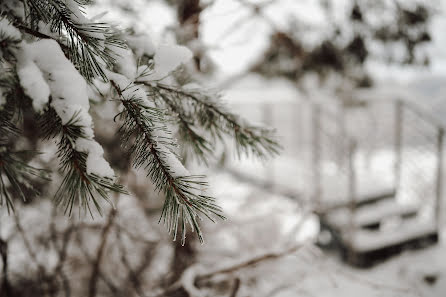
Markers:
177,169
125,61
141,44
65,82
372,213
95,160
366,240
128,89
167,59
43,69
33,83
9,30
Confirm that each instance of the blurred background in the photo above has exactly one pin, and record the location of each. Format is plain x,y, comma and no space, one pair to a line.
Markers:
354,203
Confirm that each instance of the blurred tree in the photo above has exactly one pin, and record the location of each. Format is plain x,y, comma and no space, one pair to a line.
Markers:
397,28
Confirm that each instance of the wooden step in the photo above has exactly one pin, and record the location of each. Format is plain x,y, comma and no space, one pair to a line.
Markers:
360,201
364,248
367,248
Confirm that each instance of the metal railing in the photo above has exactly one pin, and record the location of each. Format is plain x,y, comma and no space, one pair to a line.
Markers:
358,150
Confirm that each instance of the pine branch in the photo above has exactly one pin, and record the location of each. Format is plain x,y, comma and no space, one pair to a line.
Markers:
78,185
10,111
199,145
87,43
141,126
16,176
213,117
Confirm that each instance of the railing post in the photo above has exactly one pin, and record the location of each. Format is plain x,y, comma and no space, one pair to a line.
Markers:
439,181
267,119
298,142
352,174
316,160
340,150
398,142
351,150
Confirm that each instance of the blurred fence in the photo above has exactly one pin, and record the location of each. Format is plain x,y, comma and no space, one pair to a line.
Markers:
337,155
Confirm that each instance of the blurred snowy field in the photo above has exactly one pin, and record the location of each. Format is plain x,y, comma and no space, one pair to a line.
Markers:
261,223
261,220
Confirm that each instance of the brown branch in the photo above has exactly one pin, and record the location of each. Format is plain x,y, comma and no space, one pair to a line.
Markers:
38,34
236,287
134,275
248,263
92,287
113,288
5,287
230,269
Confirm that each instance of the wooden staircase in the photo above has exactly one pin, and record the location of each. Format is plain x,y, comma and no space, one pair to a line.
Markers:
368,228
375,230
360,164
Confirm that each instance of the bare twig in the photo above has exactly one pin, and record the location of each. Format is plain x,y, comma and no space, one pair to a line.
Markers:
92,287
235,288
5,288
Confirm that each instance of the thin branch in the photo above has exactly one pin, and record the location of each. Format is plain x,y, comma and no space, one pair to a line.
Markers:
92,287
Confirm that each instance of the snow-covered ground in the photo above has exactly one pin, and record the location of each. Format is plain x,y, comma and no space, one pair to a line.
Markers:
261,220
260,223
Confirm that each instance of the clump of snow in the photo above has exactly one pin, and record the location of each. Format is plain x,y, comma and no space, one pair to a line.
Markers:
43,69
33,83
9,30
125,61
95,160
141,44
64,80
167,59
177,169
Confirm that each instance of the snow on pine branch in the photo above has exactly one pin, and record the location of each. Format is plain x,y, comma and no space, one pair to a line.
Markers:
68,91
147,139
60,60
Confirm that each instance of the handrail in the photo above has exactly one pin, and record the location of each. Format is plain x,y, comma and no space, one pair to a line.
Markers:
422,113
